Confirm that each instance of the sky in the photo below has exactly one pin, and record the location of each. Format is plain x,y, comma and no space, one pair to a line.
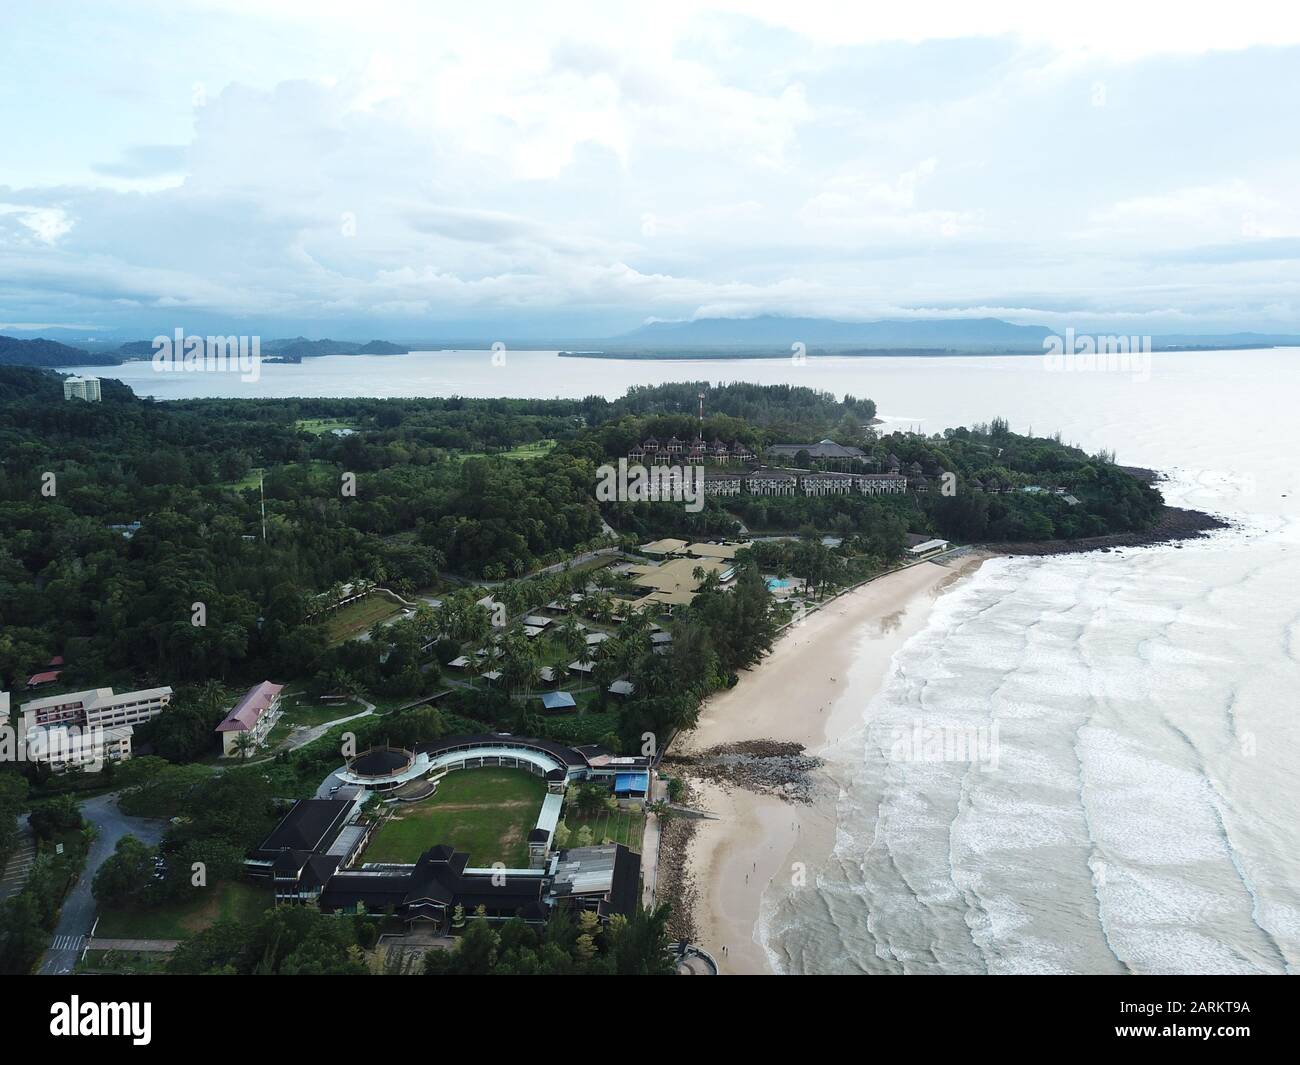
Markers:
429,169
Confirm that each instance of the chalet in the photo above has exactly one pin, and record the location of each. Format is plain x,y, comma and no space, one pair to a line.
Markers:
823,450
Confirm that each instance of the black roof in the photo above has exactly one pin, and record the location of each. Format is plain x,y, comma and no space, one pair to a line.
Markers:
310,825
381,761
623,897
376,892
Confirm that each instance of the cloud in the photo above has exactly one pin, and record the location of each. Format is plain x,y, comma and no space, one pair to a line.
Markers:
393,164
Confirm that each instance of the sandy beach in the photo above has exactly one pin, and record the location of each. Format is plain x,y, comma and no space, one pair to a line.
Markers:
811,690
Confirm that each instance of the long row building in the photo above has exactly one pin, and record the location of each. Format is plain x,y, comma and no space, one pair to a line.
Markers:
766,481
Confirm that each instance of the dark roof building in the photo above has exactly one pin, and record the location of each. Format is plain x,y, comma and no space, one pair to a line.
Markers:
311,825
823,449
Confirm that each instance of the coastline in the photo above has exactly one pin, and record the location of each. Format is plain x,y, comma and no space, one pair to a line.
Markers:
810,691
1175,524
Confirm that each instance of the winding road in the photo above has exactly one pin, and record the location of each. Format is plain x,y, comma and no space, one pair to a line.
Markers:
78,915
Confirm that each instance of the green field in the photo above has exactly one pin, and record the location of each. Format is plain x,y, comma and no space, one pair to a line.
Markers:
520,453
317,426
237,900
625,827
359,617
487,813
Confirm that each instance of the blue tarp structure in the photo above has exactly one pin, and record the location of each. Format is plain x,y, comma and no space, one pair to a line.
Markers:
558,701
631,783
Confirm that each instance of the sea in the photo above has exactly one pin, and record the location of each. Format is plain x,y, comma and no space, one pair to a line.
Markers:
1081,764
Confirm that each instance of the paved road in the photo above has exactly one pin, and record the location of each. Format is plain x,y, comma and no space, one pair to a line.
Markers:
79,907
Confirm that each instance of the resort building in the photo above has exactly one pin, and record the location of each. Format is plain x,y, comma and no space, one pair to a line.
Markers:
86,388
824,483
772,482
784,481
920,546
664,547
722,552
673,451
823,450
253,717
674,583
722,483
879,484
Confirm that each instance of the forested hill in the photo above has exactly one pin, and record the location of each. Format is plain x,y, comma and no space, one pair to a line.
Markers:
118,516
42,352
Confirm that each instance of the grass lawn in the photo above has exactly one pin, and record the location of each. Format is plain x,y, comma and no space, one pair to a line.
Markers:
359,617
487,813
318,426
624,826
176,920
521,453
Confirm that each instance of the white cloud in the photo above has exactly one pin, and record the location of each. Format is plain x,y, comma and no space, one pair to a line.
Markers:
417,164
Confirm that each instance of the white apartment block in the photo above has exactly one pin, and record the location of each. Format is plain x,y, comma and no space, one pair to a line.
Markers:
96,708
765,483
722,485
86,388
827,484
879,484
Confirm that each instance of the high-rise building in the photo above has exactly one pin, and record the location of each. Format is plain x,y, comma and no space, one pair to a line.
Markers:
86,388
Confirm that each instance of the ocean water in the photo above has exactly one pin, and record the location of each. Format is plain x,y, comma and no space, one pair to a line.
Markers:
1088,763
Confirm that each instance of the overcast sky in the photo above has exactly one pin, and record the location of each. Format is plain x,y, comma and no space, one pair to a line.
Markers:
385,169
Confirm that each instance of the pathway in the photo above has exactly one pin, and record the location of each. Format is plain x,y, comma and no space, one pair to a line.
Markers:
19,866
160,946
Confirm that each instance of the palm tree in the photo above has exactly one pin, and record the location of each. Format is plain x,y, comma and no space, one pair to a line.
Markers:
571,636
244,745
518,664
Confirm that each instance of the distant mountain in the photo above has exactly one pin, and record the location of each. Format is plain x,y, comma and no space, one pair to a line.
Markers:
1226,340
42,352
302,348
905,333
136,349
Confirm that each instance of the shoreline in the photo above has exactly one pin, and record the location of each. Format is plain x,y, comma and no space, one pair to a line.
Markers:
810,691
